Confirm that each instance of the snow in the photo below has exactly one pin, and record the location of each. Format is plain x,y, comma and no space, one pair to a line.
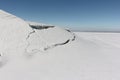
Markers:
18,33
91,56
13,33
18,38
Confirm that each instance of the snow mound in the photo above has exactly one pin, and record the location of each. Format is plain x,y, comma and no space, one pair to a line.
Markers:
47,38
17,35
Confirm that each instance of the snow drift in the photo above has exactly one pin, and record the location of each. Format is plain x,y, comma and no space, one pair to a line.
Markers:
31,36
17,34
35,51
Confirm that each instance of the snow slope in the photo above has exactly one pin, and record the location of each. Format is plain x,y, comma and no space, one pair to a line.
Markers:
13,33
83,59
86,56
19,37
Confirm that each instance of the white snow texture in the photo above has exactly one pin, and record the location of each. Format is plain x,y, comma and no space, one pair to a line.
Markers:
35,51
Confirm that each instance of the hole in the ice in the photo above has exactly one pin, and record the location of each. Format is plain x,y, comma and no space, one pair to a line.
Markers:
40,27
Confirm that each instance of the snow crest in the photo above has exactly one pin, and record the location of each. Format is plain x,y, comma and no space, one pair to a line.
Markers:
18,36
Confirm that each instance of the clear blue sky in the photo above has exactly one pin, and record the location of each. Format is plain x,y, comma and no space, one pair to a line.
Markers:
75,14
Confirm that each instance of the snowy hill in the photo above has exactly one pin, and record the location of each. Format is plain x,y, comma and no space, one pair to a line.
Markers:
35,51
29,37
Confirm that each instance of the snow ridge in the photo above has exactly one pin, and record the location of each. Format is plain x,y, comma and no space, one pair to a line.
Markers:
18,36
47,47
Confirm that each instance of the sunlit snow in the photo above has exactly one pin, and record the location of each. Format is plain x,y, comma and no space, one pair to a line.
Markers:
47,52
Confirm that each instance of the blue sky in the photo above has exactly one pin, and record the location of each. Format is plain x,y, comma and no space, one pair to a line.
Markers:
74,14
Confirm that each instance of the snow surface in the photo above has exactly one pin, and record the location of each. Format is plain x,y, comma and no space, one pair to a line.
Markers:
91,56
19,34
